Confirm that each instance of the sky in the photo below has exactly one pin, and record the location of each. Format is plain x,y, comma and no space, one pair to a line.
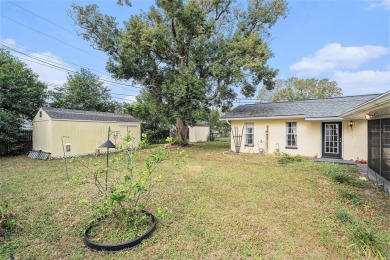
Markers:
344,41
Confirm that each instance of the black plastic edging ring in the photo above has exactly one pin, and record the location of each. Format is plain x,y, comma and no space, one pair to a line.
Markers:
120,246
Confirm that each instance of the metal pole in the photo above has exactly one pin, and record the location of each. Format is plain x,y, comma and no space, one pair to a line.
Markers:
108,138
63,149
107,171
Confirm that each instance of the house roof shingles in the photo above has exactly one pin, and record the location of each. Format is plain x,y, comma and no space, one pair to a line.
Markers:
313,108
79,115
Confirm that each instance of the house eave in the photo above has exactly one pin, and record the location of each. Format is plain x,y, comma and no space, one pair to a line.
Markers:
260,118
324,118
379,104
102,121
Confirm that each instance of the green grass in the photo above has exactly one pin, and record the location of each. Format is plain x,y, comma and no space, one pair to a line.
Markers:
218,204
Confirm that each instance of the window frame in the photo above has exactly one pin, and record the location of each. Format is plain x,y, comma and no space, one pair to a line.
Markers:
251,134
291,131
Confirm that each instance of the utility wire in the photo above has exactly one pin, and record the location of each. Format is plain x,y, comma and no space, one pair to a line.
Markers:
47,20
65,68
49,36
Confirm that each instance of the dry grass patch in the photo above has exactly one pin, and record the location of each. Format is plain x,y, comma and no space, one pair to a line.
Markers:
217,205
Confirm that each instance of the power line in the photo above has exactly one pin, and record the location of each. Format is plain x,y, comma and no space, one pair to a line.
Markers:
49,36
47,20
62,67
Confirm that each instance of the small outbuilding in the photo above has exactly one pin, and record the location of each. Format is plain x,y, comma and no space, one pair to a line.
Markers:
83,131
199,132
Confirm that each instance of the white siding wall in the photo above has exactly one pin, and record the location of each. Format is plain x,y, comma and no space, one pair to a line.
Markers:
309,137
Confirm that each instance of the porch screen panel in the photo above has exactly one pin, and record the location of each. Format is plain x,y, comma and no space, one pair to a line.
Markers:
374,134
385,162
379,146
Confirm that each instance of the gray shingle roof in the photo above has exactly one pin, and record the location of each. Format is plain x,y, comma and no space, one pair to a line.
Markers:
313,108
79,115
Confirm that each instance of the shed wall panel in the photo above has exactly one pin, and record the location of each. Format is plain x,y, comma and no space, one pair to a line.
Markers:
42,132
86,136
198,134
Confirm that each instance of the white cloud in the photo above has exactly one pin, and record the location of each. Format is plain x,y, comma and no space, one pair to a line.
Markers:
130,99
334,56
385,4
9,41
363,82
39,62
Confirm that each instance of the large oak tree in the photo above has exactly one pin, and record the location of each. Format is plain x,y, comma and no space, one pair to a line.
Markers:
188,54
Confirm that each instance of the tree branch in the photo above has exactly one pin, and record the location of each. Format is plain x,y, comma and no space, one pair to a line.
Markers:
215,92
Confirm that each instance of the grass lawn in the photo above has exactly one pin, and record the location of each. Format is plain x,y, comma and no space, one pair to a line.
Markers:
218,205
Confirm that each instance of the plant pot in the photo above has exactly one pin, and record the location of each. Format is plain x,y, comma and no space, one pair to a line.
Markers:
119,246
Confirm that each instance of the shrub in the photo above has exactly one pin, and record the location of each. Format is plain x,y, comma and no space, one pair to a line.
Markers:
286,159
341,177
130,195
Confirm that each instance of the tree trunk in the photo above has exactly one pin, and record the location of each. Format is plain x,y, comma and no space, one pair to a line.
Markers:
181,131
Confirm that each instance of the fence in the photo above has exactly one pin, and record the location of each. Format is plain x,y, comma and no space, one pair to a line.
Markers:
25,141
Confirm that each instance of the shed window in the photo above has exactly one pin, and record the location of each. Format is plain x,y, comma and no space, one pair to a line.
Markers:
249,134
291,135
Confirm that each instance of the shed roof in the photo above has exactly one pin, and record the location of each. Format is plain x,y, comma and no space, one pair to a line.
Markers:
80,115
312,108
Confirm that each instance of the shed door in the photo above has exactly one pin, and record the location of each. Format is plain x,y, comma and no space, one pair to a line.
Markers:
331,139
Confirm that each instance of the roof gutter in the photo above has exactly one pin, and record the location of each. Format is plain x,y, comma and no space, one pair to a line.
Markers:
323,118
261,118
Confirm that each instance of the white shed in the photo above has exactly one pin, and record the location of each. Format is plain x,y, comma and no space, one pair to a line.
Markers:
198,132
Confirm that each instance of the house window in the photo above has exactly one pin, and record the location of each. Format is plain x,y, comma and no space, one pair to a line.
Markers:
249,134
291,135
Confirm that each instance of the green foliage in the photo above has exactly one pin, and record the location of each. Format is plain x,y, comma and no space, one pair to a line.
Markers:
344,216
155,123
341,177
300,89
285,158
188,54
21,93
216,125
349,194
8,221
331,168
130,195
10,131
83,91
367,242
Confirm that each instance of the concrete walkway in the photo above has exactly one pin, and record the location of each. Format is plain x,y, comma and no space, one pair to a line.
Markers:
339,161
364,171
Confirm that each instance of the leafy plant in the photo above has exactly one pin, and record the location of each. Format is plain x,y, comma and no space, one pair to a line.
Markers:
285,158
126,198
